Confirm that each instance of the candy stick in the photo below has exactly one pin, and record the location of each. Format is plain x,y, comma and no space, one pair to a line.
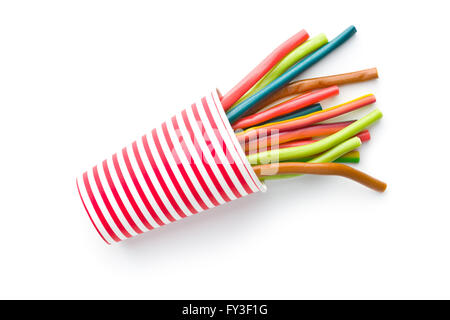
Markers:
318,83
336,169
296,114
316,130
292,58
310,119
268,63
349,157
329,156
286,140
364,136
235,113
319,146
287,107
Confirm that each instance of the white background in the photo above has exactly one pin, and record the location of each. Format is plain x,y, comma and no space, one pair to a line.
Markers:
81,79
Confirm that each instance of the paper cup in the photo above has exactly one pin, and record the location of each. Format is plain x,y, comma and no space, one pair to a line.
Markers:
191,163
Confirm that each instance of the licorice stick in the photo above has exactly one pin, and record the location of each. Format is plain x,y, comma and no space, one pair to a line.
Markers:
308,120
336,169
235,113
292,58
364,136
287,107
329,156
306,85
315,130
284,141
349,157
269,138
296,114
316,147
259,71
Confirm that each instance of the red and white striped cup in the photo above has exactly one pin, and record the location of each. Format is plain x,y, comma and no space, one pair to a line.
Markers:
192,162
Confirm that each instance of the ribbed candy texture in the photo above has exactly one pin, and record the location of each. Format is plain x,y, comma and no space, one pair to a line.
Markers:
192,162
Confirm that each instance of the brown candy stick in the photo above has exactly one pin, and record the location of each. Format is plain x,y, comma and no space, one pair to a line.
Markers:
335,169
